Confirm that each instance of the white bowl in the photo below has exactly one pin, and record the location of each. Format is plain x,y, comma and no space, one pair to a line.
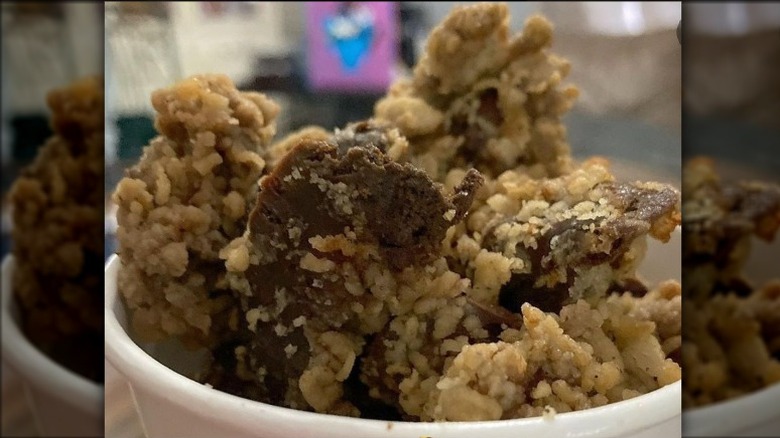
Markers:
172,405
755,414
63,402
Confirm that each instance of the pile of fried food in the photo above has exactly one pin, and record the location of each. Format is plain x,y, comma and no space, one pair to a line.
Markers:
58,218
445,260
731,328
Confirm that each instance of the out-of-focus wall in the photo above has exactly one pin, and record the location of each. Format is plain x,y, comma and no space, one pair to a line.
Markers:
733,62
150,45
625,56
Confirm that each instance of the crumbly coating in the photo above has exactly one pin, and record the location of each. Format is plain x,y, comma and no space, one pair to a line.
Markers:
721,218
551,241
408,334
587,355
732,345
732,329
332,219
447,260
185,200
58,232
481,99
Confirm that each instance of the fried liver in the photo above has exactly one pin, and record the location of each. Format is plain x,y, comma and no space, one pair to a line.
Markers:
346,188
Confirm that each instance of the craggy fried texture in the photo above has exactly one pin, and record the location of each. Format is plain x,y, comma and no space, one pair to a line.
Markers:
481,99
333,218
445,260
58,218
551,241
184,201
720,220
451,364
732,329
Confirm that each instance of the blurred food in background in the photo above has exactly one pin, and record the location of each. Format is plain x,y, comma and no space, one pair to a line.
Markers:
56,203
731,211
52,214
44,46
731,330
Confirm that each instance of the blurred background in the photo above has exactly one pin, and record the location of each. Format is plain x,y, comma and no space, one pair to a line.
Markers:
731,90
731,114
45,45
626,57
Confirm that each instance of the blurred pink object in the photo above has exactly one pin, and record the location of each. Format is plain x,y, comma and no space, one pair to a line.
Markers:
351,46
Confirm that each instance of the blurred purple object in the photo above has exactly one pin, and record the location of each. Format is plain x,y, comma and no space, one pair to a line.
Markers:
351,46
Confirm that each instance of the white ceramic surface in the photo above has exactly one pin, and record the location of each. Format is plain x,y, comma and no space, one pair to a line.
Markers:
171,405
63,403
756,414
753,415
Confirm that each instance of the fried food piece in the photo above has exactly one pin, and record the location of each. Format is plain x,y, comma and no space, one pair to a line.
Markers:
337,230
480,99
449,365
731,345
732,329
552,241
186,199
720,219
447,260
58,233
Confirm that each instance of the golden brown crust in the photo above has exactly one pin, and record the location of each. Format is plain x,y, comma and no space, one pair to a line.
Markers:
330,212
185,200
357,275
551,241
732,330
588,355
480,99
58,231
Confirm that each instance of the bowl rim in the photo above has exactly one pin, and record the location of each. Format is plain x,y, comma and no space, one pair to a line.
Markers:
144,371
754,408
35,368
